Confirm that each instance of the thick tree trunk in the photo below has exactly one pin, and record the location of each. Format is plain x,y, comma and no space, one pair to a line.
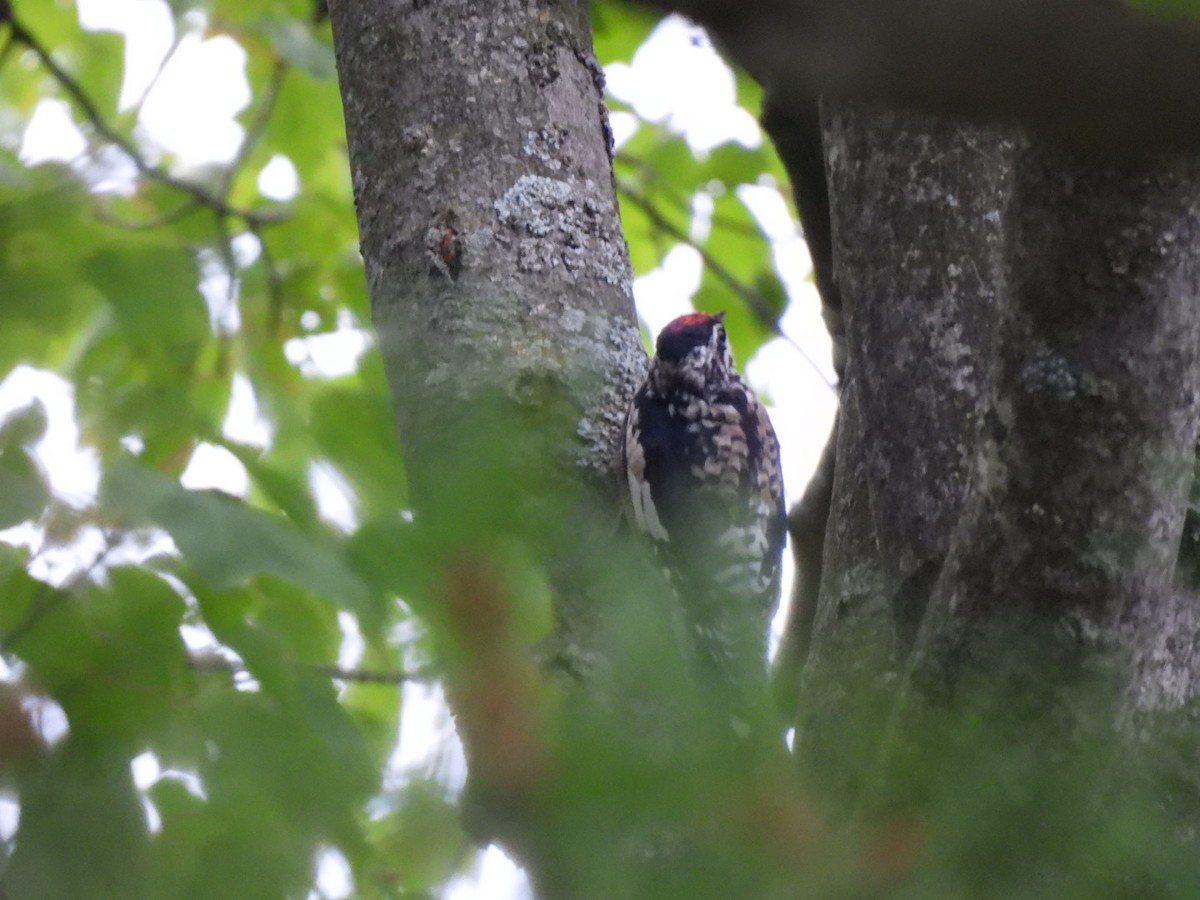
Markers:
916,236
1020,413
480,155
501,293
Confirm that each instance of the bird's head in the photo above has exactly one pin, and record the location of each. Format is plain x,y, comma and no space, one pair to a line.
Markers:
693,351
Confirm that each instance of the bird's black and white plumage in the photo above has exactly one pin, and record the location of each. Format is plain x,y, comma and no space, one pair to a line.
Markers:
702,465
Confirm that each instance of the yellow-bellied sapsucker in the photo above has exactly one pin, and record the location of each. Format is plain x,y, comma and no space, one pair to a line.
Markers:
702,463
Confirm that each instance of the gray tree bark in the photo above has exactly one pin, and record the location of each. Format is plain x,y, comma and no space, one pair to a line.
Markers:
482,173
1018,427
501,293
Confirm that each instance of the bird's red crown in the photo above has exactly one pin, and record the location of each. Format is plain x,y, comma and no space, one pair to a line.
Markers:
691,320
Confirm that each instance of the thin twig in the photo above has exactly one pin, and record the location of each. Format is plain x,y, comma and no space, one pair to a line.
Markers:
275,292
176,41
375,676
92,113
257,126
758,304
213,662
47,598
162,219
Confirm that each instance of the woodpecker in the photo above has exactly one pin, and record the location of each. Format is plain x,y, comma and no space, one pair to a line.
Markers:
702,465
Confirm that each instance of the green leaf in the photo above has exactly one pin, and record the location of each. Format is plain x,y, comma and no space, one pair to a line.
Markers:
732,164
387,551
82,830
91,62
152,287
167,399
226,542
673,164
282,478
357,431
420,843
307,127
23,489
307,627
25,426
619,28
111,655
20,595
749,92
239,833
149,364
306,757
299,45
43,240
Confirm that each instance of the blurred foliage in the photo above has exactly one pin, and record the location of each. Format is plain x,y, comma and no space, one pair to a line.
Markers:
1168,9
193,628
660,178
202,692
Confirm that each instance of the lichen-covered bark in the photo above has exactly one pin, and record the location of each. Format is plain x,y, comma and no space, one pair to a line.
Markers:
1019,420
917,315
481,163
916,242
1082,471
501,293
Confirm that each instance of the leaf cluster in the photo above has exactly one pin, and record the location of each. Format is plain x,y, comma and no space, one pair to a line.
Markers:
203,690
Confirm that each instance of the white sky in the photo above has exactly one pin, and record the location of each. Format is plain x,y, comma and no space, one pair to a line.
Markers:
675,77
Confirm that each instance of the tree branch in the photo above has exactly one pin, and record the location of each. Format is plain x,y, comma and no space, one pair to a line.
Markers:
757,303
683,204
1091,72
257,125
213,662
217,203
46,598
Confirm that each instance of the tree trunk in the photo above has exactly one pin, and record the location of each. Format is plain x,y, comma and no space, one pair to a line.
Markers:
1018,424
481,160
501,293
